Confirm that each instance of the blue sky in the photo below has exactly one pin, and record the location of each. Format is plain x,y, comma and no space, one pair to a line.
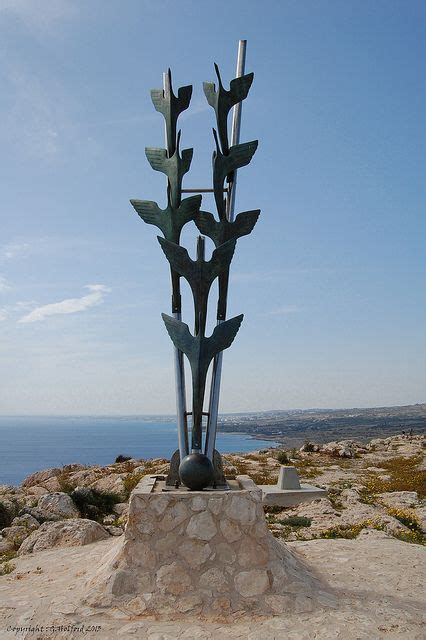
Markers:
332,280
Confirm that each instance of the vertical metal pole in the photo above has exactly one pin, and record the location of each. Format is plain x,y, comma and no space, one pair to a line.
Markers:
230,206
178,363
236,128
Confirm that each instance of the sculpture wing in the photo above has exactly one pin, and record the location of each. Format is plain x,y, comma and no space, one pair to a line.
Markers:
149,211
189,207
239,155
186,160
210,93
179,334
239,87
223,335
206,224
178,258
159,101
157,158
222,256
244,223
184,97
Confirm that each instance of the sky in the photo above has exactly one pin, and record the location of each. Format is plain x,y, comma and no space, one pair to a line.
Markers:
331,281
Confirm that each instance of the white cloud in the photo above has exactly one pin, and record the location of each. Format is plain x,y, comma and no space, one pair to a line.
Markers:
3,314
3,284
12,250
70,305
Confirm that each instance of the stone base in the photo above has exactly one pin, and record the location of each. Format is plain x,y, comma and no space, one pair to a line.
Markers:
207,554
272,495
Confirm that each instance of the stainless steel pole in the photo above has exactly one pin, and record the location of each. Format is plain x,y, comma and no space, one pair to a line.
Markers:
236,127
178,364
230,207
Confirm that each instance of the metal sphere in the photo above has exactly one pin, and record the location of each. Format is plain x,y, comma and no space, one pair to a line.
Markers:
196,471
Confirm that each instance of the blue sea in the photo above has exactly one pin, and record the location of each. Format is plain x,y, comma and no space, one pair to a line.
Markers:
29,444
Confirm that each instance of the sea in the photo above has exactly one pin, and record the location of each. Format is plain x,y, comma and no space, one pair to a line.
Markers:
29,444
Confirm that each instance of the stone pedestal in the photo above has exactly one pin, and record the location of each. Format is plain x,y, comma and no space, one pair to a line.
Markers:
288,478
201,553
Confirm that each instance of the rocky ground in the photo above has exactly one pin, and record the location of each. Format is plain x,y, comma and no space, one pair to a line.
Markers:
364,540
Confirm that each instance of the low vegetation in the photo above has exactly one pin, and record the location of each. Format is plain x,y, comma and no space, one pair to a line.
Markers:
132,480
401,475
283,457
121,458
351,531
6,566
95,505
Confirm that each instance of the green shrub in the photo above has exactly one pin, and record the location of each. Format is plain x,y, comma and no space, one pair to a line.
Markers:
6,567
8,555
407,518
131,481
296,521
308,446
5,517
122,458
414,537
272,508
64,483
350,531
93,504
282,457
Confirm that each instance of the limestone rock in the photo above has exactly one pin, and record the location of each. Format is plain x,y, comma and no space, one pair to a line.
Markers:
198,504
6,545
230,530
66,533
202,526
121,508
400,499
214,578
112,483
16,534
251,583
114,531
37,490
252,554
173,578
241,509
28,521
52,485
59,504
8,489
41,477
109,519
195,552
39,514
173,516
226,553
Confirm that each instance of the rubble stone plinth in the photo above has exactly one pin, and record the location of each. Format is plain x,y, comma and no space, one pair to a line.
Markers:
199,553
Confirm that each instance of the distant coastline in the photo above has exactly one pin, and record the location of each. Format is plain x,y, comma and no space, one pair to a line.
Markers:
29,444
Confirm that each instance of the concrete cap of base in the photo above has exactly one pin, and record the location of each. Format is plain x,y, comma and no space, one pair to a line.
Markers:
288,478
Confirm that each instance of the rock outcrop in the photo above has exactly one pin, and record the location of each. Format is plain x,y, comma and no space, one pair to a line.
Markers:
67,533
58,504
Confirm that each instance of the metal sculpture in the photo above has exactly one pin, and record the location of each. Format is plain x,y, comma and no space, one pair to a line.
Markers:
196,469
